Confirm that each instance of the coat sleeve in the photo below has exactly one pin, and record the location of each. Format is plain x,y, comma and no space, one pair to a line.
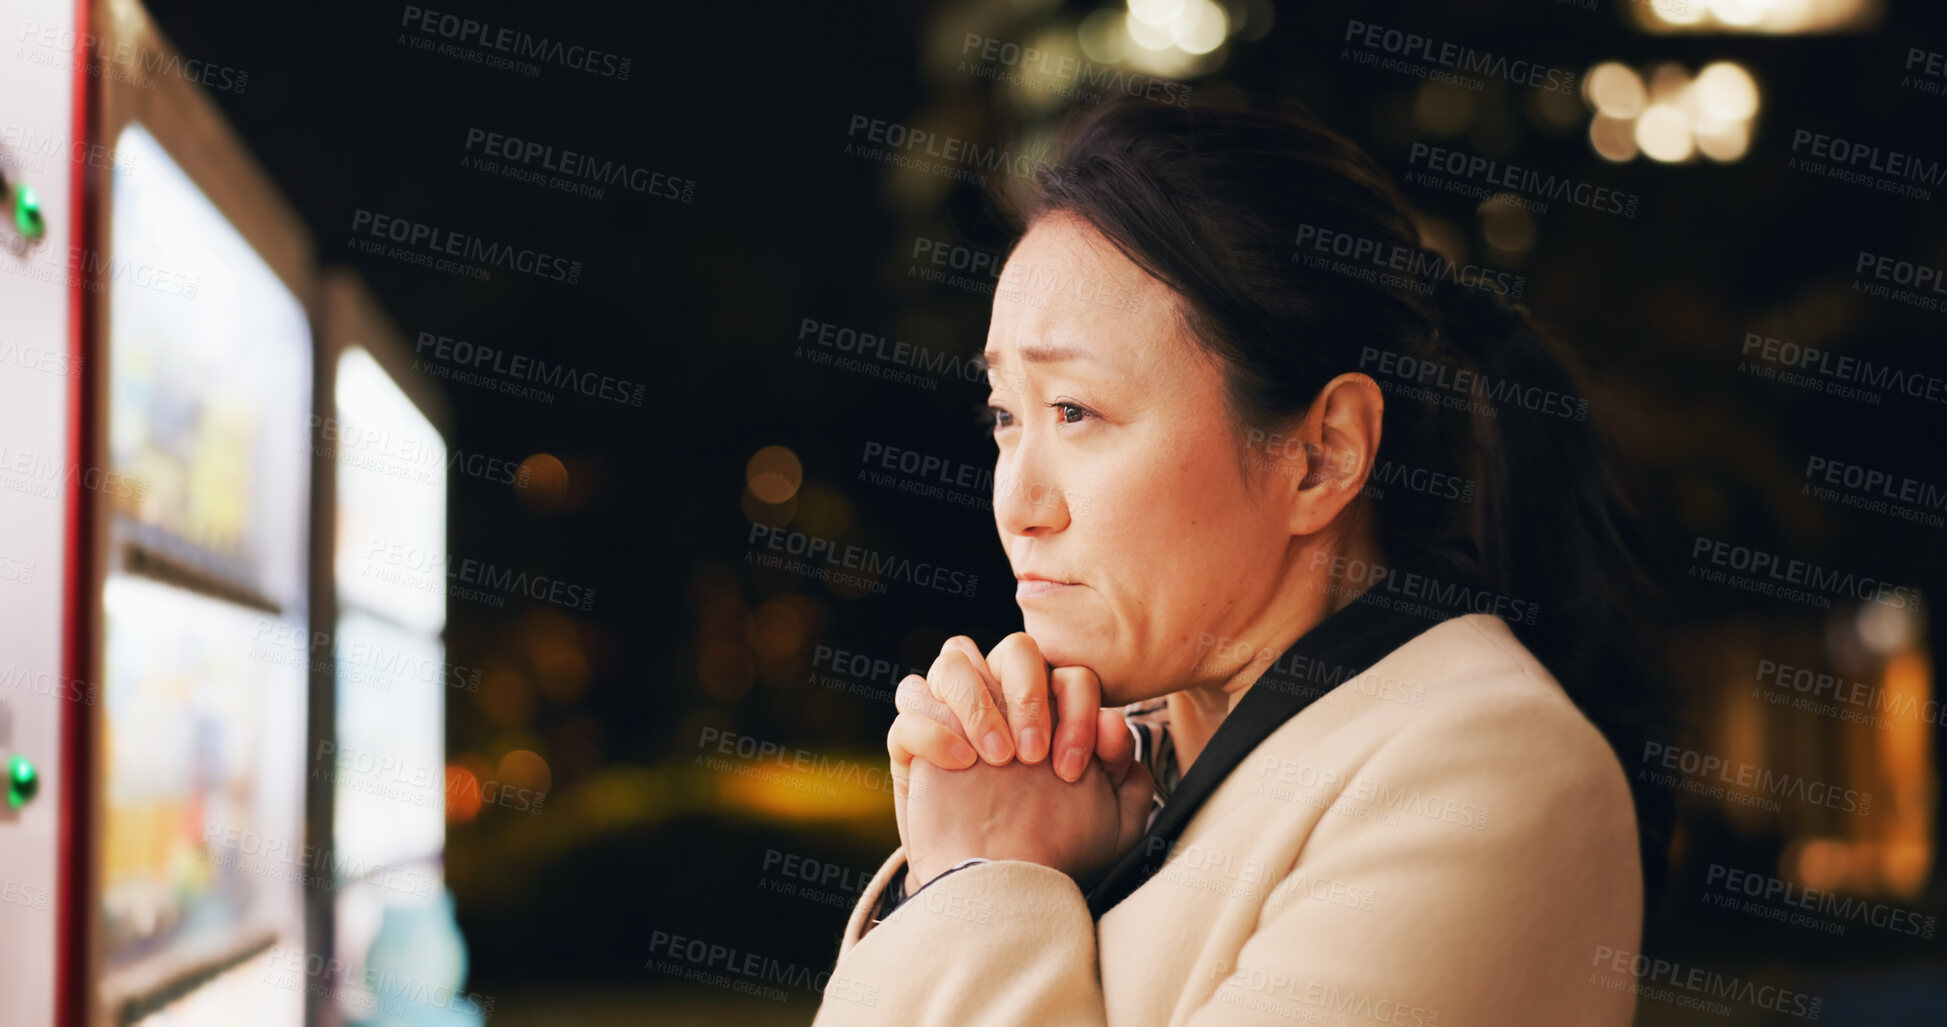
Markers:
1474,870
1001,943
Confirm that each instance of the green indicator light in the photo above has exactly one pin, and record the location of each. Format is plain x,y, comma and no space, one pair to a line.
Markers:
22,781
27,213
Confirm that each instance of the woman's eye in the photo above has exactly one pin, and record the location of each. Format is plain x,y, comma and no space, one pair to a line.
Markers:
995,418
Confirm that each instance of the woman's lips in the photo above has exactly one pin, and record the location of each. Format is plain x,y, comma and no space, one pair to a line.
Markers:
1035,588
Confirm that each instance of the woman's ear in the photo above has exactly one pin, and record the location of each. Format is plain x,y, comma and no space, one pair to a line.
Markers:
1341,433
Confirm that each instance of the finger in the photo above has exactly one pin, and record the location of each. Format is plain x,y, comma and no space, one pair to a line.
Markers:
954,680
914,736
915,696
1078,697
899,811
900,771
1114,746
966,646
900,787
1024,688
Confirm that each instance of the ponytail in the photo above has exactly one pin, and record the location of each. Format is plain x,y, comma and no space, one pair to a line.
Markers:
1552,528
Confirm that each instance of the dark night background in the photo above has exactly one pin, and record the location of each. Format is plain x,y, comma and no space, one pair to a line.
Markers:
702,301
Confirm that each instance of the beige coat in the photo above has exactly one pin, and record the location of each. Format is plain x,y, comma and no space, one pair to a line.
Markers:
1440,841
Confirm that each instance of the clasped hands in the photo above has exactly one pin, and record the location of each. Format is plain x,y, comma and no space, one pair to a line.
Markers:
1054,783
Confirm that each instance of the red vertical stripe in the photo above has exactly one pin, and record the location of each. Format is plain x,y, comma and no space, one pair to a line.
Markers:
79,601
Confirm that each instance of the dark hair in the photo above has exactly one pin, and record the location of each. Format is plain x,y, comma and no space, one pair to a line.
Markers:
1226,208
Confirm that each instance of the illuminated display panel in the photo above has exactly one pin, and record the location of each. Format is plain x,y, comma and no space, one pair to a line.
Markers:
209,392
391,464
389,802
205,633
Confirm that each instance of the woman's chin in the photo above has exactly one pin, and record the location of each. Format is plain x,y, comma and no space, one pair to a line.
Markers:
1063,644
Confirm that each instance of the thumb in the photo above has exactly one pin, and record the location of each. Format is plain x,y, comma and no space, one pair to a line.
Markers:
1113,745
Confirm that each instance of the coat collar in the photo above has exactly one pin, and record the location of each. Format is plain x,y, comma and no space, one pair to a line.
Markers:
1339,648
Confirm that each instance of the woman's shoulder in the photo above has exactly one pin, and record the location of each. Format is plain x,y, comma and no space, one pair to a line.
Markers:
1485,710
1462,710
1464,662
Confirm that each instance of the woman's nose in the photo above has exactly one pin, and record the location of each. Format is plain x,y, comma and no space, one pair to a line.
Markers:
1026,501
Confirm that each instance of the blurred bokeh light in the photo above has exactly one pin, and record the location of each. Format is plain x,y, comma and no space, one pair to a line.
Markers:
1668,115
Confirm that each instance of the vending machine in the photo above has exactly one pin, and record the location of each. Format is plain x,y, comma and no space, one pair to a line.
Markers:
46,697
378,755
181,655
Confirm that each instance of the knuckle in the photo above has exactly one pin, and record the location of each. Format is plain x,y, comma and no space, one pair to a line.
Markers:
1073,675
983,707
948,666
912,689
1029,707
1019,641
958,692
1076,684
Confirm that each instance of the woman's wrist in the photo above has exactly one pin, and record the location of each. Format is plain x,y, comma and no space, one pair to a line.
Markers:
902,887
914,884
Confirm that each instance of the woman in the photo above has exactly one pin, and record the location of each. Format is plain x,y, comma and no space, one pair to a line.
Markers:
1321,512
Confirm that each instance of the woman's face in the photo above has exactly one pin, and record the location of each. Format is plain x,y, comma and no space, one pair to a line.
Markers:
1118,472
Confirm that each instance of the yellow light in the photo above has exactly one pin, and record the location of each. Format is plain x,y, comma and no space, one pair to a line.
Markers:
1615,90
1554,112
1818,862
780,626
823,510
1442,109
1155,12
1507,226
1613,138
1690,102
1884,629
1678,12
1723,141
1905,867
546,479
777,515
1667,82
774,474
1790,14
1102,37
1768,16
523,768
1741,13
783,793
1147,36
1725,92
1199,27
463,789
1664,134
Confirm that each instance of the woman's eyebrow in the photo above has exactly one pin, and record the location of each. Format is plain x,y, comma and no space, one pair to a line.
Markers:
990,359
